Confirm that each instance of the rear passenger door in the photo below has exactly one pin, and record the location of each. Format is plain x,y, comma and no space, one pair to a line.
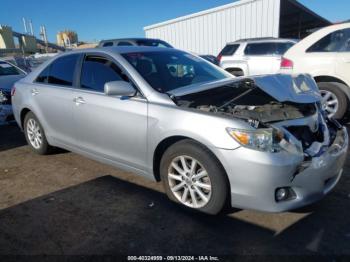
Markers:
112,127
52,94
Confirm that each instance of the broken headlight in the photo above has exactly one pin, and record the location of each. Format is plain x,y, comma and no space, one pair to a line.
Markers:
264,139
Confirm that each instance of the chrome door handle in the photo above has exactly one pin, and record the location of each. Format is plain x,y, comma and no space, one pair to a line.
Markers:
35,91
79,100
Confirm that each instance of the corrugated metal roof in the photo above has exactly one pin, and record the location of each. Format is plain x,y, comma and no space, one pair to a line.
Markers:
205,12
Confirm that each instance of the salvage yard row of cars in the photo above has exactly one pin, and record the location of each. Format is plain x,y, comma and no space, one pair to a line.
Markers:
266,142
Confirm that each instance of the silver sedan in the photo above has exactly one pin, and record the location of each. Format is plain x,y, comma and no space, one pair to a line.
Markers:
259,142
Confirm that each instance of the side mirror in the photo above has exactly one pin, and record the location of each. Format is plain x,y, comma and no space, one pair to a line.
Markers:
119,88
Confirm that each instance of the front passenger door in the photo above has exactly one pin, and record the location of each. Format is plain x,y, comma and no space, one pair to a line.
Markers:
114,128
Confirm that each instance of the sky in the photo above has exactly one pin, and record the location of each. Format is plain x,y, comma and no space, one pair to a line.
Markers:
95,20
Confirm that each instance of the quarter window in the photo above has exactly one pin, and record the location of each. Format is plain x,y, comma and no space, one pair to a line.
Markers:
97,70
43,76
338,41
229,49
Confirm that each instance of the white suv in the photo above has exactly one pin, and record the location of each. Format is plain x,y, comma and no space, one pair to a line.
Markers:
254,56
325,55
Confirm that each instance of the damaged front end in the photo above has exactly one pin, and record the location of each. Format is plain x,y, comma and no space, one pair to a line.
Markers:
284,113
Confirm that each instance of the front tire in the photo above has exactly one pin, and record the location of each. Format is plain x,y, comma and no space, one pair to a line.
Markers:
35,135
334,100
193,177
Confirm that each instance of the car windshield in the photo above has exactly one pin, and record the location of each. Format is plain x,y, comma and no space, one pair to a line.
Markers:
169,70
7,69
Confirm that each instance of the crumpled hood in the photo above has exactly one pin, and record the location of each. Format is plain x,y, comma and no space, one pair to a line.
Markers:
292,88
284,88
6,82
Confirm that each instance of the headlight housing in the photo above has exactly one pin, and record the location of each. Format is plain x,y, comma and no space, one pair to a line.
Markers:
264,139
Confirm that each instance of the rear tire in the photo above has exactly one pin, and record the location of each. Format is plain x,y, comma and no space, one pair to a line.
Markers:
334,102
35,135
205,188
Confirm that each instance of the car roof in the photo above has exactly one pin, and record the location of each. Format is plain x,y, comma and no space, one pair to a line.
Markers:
119,50
263,40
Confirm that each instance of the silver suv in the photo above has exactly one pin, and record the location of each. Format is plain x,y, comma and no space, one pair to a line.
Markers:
254,56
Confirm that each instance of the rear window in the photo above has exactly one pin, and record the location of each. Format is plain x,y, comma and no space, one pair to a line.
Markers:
267,48
124,43
7,69
229,50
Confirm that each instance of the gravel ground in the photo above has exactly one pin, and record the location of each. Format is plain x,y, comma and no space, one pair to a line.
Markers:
68,204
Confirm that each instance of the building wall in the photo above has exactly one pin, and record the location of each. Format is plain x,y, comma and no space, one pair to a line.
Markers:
67,37
208,31
6,37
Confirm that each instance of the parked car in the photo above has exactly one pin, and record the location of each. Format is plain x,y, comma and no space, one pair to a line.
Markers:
9,74
254,56
259,142
148,42
325,55
211,58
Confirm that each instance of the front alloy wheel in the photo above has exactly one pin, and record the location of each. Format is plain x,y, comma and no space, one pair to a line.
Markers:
189,181
193,177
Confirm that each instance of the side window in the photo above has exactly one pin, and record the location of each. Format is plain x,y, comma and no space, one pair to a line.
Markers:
60,71
107,44
124,43
338,41
97,70
260,49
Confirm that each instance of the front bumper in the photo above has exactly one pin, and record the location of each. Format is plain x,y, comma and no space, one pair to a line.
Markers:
254,176
6,113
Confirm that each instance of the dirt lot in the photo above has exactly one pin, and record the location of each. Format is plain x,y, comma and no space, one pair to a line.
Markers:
67,204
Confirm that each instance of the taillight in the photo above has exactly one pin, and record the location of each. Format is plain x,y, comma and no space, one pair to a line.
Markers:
286,63
13,91
219,57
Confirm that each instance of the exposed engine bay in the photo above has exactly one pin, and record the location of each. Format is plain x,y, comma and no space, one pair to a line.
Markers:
246,100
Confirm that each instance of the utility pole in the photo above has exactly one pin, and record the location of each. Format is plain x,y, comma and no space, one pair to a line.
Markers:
25,25
31,27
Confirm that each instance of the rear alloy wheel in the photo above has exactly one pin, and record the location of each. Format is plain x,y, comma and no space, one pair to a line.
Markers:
193,177
334,101
35,135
